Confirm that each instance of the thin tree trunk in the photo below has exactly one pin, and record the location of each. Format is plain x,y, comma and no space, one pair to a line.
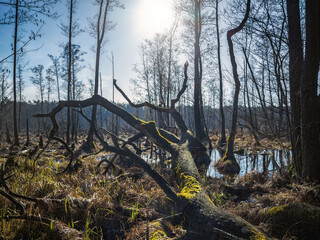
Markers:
223,139
100,35
101,120
15,126
236,79
57,79
94,108
20,97
228,164
69,71
73,120
28,138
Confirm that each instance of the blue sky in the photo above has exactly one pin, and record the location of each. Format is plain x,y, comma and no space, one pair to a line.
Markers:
139,20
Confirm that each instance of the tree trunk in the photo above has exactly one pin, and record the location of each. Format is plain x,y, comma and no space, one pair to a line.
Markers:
100,34
28,138
228,164
223,139
15,126
94,108
69,71
310,102
295,71
198,109
20,97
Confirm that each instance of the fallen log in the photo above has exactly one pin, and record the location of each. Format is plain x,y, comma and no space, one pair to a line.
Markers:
204,219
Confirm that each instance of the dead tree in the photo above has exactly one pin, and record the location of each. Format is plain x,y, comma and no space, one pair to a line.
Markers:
204,219
228,164
223,139
199,151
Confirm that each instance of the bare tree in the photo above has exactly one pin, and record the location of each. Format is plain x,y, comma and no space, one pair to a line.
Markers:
24,11
223,139
69,68
20,91
4,90
228,163
15,124
56,70
49,84
38,80
100,27
199,120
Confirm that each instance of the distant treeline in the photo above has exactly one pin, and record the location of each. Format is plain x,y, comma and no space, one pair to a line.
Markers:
252,119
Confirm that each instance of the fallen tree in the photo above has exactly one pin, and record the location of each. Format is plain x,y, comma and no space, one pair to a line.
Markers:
204,219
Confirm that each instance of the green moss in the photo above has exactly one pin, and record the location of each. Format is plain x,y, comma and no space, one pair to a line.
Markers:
178,169
153,127
257,235
156,223
220,198
275,210
210,201
190,187
227,162
158,235
292,171
226,151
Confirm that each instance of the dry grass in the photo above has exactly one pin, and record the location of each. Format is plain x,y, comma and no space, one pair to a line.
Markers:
261,194
83,204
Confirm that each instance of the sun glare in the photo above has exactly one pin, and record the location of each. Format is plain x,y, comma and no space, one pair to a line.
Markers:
154,16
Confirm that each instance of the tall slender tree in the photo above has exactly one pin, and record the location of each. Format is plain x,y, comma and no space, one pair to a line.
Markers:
99,29
228,163
69,69
4,94
223,139
24,11
20,90
38,80
199,120
56,69
70,30
15,124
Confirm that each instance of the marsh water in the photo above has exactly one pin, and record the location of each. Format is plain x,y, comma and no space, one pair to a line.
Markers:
269,161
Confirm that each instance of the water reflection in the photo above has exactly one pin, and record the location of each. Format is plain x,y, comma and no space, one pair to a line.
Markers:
150,160
269,161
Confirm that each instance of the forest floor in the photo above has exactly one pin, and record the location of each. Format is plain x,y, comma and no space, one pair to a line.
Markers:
126,203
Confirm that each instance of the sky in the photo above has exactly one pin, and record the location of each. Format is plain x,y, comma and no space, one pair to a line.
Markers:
141,19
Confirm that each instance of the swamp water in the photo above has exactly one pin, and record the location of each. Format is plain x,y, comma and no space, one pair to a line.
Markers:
270,161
